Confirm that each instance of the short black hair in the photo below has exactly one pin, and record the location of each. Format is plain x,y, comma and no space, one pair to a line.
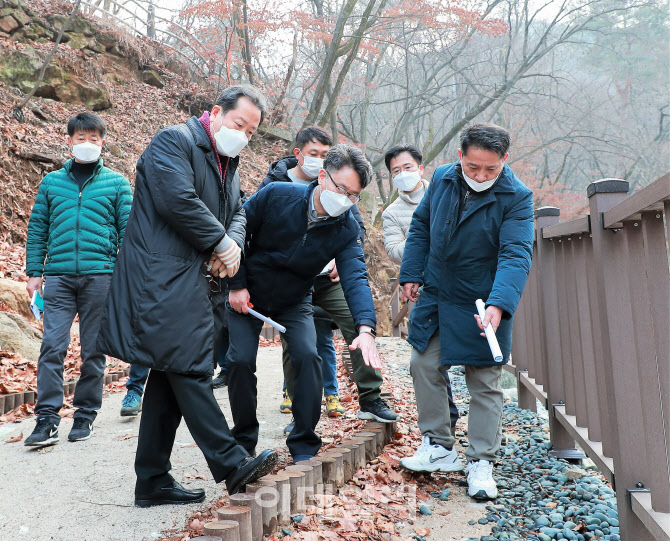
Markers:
349,156
487,137
399,149
311,134
86,122
228,99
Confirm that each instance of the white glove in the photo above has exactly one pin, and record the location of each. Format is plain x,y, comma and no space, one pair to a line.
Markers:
229,253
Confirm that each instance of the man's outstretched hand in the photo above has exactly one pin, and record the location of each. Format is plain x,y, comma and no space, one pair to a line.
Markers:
366,343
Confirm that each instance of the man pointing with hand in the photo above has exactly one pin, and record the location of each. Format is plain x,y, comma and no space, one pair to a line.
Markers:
471,237
293,232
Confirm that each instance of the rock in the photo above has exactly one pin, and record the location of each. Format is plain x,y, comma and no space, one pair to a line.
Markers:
575,473
444,495
151,77
424,510
77,25
19,337
114,150
80,41
8,24
15,297
105,40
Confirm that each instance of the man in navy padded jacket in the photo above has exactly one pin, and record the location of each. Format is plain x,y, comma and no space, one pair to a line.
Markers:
292,233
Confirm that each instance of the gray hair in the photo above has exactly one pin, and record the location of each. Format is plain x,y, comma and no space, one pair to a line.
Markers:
349,156
228,99
487,137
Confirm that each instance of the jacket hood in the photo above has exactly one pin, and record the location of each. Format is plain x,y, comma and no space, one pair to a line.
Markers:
405,196
278,171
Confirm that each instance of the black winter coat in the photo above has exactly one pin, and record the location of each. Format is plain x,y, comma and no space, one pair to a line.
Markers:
158,311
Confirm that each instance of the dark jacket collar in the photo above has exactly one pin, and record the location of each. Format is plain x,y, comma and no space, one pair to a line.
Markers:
68,166
278,171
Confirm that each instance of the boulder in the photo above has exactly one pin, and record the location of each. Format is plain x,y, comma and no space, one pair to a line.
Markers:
80,41
72,89
77,25
15,297
17,336
8,24
21,68
106,40
152,77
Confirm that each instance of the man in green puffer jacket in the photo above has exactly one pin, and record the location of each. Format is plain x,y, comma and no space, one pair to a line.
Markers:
75,231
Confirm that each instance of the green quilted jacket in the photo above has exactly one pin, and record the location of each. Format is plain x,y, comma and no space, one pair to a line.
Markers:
77,233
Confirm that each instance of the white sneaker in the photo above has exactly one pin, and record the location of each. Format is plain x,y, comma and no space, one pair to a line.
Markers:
481,485
432,457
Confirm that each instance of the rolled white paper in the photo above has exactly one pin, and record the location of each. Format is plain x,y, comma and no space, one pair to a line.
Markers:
267,320
490,333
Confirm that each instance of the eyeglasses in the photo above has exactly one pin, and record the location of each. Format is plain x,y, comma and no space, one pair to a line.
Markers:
352,197
213,282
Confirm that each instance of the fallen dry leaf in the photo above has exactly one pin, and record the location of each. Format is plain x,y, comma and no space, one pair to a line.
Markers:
15,438
124,437
195,476
423,532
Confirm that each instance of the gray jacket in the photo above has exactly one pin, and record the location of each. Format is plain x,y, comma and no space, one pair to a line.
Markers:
395,220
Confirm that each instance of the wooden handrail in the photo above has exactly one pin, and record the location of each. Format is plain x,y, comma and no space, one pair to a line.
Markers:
649,198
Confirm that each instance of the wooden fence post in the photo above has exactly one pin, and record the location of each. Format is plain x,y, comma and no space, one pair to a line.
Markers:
563,445
619,354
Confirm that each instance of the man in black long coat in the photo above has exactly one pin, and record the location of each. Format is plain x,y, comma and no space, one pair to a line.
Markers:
184,235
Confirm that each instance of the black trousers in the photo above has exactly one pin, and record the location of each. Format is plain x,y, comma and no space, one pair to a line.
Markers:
300,336
169,397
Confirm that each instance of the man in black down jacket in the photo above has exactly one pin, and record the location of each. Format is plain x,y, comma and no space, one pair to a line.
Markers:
185,232
292,233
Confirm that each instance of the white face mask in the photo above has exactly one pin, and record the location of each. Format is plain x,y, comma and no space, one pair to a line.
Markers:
311,166
86,152
480,186
230,142
406,180
334,203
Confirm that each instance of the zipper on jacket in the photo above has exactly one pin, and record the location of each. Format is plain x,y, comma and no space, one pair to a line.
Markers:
76,235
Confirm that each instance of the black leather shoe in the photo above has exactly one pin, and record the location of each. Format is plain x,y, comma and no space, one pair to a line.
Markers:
220,381
173,494
251,469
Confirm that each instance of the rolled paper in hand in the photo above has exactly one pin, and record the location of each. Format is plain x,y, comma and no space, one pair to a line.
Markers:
490,333
267,320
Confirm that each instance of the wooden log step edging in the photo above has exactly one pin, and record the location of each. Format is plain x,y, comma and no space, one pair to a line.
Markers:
270,502
11,401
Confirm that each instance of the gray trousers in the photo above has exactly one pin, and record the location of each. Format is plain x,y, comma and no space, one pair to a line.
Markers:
64,298
486,403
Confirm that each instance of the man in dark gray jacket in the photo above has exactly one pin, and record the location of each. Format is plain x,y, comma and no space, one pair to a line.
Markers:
185,232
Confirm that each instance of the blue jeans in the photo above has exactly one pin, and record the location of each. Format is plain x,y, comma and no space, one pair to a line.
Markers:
137,378
326,350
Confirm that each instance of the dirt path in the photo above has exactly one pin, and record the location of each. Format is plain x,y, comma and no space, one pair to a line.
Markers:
84,490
